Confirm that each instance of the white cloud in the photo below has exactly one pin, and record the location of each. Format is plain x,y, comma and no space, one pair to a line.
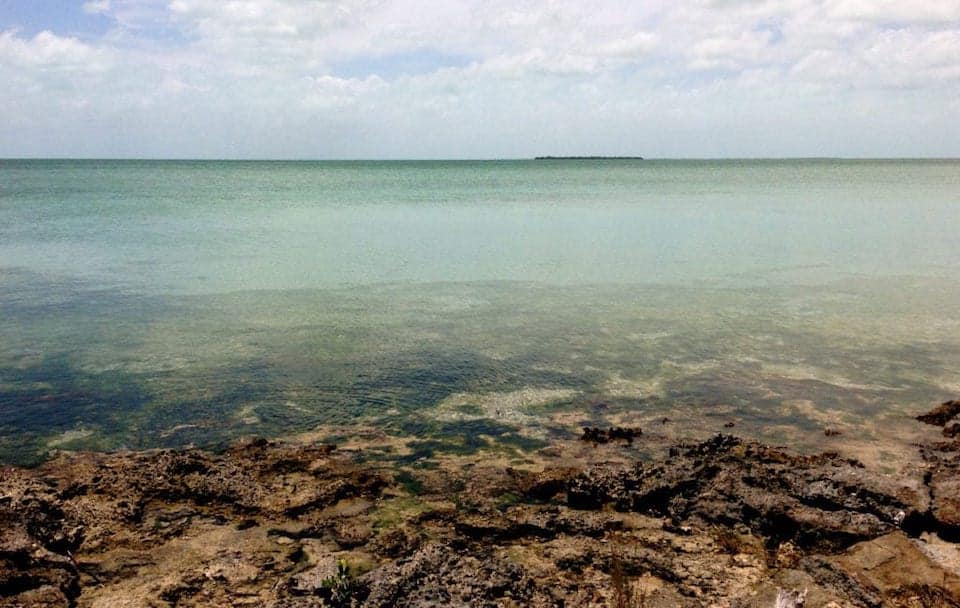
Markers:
730,52
96,6
638,44
47,51
897,11
261,78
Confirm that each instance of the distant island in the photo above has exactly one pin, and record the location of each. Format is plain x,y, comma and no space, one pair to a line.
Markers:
588,158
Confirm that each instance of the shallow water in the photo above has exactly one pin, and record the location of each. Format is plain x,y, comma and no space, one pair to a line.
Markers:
473,304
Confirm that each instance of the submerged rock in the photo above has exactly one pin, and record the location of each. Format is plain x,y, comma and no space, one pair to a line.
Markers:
941,414
614,433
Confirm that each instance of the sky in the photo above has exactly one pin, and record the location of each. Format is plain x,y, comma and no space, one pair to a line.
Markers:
479,78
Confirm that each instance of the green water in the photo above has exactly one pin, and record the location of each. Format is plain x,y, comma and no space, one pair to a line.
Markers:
472,305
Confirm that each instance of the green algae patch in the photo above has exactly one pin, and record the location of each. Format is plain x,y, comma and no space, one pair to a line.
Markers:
393,512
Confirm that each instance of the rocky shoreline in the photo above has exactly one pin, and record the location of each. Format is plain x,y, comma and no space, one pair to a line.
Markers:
723,522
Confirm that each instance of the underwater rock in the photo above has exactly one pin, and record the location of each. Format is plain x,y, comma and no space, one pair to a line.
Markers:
941,414
614,433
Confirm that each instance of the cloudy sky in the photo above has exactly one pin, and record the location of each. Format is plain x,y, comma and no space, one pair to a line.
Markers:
479,79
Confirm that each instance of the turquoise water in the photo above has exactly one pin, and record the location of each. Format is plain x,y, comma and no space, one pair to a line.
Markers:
154,303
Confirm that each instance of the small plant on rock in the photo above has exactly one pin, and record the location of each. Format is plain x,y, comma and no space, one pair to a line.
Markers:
342,590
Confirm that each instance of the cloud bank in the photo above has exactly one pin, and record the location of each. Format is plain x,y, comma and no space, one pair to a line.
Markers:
491,79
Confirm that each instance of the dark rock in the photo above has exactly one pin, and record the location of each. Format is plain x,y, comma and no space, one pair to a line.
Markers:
943,480
396,543
941,414
920,594
494,529
546,484
615,433
186,587
823,501
37,539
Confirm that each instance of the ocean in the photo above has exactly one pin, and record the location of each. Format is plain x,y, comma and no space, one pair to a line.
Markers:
494,305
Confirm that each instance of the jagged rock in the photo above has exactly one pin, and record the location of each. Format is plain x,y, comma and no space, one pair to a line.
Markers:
37,539
721,522
941,414
437,575
943,461
823,502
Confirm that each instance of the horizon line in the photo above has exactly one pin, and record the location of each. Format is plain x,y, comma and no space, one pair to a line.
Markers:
473,159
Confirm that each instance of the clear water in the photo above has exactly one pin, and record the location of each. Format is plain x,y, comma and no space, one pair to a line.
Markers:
165,303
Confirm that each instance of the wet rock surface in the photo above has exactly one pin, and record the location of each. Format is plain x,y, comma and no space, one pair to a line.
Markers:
724,522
